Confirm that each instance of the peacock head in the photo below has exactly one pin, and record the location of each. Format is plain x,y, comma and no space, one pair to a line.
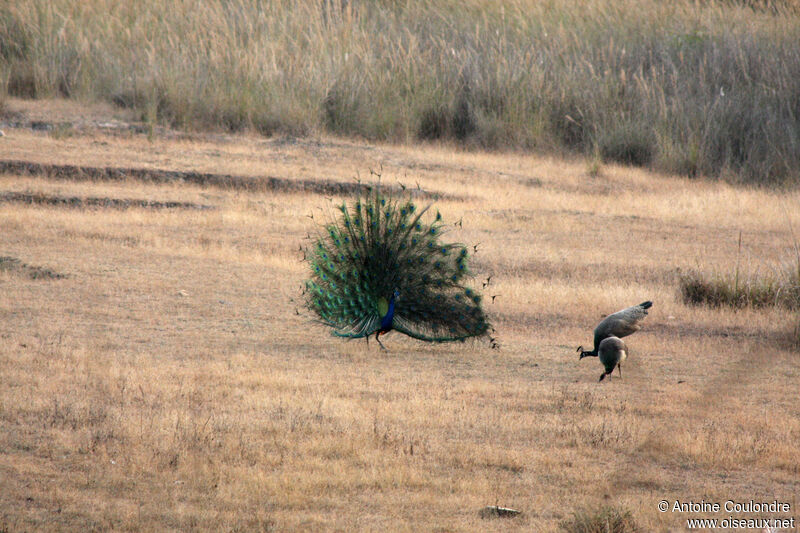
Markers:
396,294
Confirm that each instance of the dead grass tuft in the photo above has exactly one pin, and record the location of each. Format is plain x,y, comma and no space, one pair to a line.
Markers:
719,290
604,519
15,266
779,287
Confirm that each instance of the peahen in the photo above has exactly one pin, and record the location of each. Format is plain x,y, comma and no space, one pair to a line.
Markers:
619,324
381,267
612,352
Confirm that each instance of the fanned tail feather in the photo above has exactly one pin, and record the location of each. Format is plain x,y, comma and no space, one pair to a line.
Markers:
380,244
366,326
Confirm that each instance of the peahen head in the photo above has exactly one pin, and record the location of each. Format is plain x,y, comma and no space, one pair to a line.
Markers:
585,353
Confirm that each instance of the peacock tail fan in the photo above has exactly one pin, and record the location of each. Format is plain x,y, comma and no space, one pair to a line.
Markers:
382,245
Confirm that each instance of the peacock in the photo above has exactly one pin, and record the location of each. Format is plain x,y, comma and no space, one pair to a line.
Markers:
379,266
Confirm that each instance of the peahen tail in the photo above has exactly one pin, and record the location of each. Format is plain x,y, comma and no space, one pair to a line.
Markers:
382,245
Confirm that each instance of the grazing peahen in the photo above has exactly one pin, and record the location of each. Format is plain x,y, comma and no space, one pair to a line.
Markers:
619,324
612,352
380,267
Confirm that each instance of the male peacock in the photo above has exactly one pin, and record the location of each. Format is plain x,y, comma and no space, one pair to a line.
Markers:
380,267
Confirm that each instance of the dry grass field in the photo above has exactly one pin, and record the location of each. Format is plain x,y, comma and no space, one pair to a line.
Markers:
155,374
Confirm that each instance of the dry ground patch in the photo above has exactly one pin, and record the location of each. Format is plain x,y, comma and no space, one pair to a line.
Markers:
166,381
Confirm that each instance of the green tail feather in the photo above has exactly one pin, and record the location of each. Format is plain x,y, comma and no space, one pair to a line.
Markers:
381,243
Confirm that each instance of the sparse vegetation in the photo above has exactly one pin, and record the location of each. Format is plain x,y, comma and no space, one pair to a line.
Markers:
780,286
698,88
170,381
13,265
604,519
794,337
721,289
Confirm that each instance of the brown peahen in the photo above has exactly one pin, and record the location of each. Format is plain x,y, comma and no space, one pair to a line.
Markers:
612,352
619,324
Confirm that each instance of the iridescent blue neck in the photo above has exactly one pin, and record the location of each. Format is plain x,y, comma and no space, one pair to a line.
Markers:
386,321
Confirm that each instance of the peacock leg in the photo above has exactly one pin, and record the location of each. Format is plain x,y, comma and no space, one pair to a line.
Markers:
377,338
619,367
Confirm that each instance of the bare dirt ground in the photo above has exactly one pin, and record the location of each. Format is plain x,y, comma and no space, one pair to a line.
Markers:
158,372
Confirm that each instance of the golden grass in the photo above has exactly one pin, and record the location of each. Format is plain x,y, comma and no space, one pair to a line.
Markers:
167,383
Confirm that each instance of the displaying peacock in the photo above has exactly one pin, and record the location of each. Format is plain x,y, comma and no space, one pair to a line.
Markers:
380,267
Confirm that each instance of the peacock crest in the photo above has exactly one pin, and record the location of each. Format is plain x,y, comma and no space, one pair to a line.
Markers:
381,265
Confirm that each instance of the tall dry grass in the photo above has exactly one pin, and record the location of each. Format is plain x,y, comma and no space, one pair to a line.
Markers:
700,88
